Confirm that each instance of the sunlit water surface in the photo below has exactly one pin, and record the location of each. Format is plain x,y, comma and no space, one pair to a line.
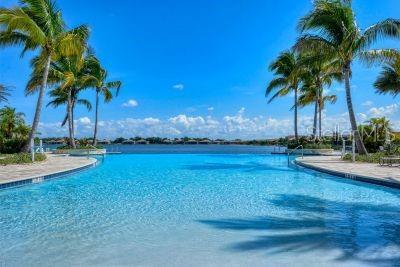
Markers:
199,210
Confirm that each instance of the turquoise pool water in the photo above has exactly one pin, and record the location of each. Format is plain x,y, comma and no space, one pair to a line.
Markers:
199,210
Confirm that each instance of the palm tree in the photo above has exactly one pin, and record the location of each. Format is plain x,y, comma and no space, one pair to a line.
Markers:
320,71
60,97
288,71
4,93
331,27
38,24
381,126
313,95
388,81
10,120
66,76
97,78
308,95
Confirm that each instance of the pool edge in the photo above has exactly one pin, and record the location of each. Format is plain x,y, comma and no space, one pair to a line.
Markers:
355,177
42,178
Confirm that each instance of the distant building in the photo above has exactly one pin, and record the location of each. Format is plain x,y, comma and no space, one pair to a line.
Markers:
178,141
191,142
56,142
141,142
204,142
167,141
128,142
104,142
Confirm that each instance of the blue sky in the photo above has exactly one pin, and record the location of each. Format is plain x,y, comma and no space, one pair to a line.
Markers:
197,68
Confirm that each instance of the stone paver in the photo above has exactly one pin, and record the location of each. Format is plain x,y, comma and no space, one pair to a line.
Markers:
349,169
53,164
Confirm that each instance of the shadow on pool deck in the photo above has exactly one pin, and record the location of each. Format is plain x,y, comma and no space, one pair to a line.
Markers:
361,231
248,167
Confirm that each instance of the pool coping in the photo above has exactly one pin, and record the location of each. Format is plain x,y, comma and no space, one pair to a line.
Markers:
42,178
350,176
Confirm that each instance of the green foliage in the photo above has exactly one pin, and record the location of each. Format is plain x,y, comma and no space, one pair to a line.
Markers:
388,81
21,158
317,146
12,123
370,158
13,145
375,133
84,142
331,29
13,130
309,144
87,146
288,72
155,140
292,144
119,140
4,93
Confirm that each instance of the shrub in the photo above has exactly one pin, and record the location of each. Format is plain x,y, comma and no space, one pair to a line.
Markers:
318,146
21,158
309,144
81,147
10,146
371,158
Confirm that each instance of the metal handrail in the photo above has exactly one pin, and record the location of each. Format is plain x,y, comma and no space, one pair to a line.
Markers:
293,150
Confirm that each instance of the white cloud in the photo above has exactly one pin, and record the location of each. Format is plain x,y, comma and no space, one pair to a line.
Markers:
383,111
130,104
210,109
84,121
368,103
230,126
179,86
363,117
184,121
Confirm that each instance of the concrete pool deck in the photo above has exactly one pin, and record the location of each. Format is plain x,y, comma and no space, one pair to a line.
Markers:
366,172
54,166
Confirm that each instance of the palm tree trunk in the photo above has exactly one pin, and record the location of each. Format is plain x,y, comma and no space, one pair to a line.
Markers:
296,135
319,89
359,143
39,105
70,122
315,120
319,93
96,119
73,117
320,119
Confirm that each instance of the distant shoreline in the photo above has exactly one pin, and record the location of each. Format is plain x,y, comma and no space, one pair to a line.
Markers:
188,149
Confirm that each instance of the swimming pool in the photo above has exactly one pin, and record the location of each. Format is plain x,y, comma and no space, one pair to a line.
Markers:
199,210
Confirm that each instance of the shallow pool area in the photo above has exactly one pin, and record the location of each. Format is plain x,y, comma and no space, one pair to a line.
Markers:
199,210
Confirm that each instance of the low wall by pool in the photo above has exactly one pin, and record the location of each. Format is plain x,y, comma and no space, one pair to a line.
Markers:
351,176
80,152
41,178
311,152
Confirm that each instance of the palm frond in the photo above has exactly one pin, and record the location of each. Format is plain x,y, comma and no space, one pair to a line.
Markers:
378,56
277,83
85,103
114,85
383,29
18,20
315,44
